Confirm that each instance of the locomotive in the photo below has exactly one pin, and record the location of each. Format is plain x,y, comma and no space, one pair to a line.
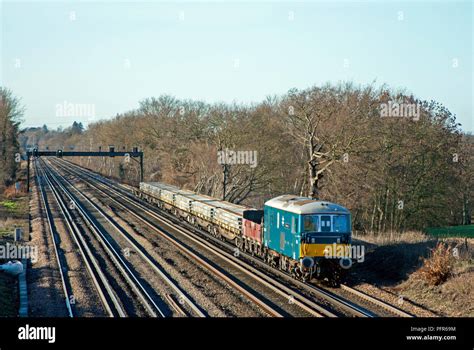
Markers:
304,237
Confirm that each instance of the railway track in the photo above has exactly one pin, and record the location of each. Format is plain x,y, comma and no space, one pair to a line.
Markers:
52,229
364,296
291,296
182,296
343,303
108,298
106,291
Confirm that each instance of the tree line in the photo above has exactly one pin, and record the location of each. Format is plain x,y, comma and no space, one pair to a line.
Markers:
11,112
397,162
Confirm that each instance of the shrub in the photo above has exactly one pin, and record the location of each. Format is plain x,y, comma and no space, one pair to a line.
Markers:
10,192
438,267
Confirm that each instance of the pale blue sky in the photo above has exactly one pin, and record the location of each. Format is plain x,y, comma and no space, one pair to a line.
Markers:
221,51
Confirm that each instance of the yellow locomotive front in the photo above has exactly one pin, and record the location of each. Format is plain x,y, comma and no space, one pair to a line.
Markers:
326,242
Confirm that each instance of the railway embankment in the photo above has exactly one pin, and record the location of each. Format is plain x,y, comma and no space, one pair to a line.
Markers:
425,275
14,220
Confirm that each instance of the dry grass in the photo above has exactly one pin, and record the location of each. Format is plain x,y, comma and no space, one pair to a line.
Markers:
10,192
389,263
453,298
438,267
7,223
435,273
13,213
387,238
14,208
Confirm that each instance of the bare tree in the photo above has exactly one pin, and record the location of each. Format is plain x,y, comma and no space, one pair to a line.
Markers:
11,113
324,121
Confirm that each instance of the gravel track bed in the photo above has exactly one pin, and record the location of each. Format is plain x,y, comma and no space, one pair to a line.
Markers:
118,283
86,301
400,302
151,281
45,293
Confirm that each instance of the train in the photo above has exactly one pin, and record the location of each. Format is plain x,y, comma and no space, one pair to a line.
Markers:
307,238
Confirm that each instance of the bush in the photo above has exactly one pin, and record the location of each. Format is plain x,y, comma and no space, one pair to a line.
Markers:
10,192
438,267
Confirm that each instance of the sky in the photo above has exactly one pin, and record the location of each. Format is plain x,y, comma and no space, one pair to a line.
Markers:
102,58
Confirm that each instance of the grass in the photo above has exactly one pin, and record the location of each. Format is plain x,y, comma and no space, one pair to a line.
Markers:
13,213
452,231
16,208
387,238
391,260
433,271
8,225
5,234
10,205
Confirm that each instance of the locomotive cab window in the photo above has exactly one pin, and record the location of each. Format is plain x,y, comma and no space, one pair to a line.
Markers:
340,223
311,223
325,223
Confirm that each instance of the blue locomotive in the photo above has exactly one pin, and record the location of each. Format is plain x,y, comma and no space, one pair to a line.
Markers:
304,237
307,237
